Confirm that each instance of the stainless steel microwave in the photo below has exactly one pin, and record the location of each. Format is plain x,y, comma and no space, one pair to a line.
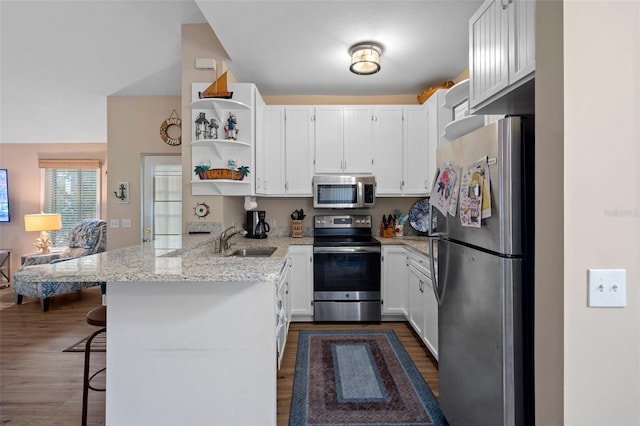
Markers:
343,192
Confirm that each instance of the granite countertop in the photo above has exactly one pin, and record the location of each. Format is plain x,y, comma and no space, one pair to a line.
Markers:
190,258
418,244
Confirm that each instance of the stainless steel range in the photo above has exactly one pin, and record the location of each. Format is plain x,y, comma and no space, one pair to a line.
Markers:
346,269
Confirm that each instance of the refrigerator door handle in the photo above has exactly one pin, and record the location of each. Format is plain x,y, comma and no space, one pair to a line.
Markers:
433,223
434,276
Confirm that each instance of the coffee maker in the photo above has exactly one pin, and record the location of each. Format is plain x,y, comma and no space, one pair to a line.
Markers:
257,226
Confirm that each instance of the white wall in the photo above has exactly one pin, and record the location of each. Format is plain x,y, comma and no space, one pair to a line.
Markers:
61,59
601,208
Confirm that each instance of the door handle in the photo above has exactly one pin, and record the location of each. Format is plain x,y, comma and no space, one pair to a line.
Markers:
147,232
434,276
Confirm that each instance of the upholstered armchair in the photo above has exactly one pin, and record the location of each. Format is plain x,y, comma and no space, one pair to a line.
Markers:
87,237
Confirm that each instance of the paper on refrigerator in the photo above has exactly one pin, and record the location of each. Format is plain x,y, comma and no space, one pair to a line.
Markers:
444,187
475,190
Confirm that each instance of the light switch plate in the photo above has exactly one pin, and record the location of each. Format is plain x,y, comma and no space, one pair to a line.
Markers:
126,223
115,223
607,288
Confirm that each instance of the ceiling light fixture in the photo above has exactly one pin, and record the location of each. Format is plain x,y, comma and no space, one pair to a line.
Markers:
365,58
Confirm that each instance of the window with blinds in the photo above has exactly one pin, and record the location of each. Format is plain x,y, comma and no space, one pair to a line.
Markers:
72,192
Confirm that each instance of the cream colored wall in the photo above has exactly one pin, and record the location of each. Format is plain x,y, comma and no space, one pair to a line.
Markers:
133,129
601,208
21,161
279,210
549,233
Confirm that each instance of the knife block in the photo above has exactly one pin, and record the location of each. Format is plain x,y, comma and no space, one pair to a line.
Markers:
296,228
386,232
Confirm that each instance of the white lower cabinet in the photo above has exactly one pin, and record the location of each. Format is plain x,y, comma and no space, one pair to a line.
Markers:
301,282
417,301
430,332
407,290
423,306
394,281
283,309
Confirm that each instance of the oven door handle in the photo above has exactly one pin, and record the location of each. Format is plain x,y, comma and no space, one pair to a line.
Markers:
355,249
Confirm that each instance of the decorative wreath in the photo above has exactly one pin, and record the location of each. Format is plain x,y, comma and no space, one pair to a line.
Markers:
173,120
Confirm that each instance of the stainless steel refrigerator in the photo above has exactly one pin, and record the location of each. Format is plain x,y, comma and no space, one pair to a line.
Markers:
484,283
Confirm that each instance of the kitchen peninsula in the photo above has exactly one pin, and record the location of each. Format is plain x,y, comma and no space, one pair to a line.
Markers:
191,332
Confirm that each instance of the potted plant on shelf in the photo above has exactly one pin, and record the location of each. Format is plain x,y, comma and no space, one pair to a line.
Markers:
242,171
201,170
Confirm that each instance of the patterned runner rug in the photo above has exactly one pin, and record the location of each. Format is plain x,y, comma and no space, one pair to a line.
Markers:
359,377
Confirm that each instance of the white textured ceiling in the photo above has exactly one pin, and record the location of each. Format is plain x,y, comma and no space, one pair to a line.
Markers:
301,47
59,60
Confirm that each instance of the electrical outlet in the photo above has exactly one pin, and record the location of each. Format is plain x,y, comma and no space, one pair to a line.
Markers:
607,288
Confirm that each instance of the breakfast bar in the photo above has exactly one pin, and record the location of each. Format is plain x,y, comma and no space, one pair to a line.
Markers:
191,332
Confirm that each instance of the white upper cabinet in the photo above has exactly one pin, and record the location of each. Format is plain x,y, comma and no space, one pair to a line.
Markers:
284,153
440,114
405,140
388,146
358,133
270,170
416,155
329,138
343,139
397,143
502,56
299,150
522,43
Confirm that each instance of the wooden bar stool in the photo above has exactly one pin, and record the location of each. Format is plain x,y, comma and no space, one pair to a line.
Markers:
97,317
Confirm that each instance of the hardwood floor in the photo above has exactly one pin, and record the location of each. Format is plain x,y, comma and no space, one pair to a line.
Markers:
42,385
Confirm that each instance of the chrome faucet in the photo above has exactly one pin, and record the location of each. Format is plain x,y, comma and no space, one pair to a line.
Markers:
224,238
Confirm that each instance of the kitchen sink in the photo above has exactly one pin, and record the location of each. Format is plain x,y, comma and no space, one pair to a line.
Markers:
254,252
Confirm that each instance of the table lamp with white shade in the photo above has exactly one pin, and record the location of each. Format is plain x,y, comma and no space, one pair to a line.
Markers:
42,222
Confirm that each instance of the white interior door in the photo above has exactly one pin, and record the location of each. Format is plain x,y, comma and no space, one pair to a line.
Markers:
161,196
